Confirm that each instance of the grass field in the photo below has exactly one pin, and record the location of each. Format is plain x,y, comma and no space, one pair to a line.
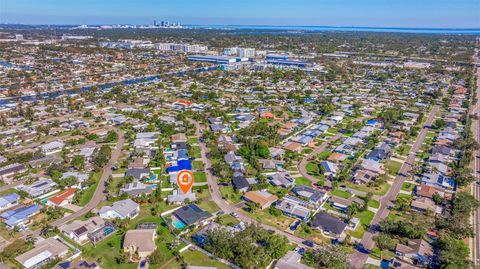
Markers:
197,165
193,140
324,155
197,258
303,181
406,186
365,219
227,219
107,250
88,193
340,193
200,177
228,193
194,152
380,190
312,168
393,167
374,203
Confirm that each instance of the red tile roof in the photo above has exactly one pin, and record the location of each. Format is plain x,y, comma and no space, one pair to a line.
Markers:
66,194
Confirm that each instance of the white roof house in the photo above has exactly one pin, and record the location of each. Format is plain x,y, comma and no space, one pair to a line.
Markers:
121,209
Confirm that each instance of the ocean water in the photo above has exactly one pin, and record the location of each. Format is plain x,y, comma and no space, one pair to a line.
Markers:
469,31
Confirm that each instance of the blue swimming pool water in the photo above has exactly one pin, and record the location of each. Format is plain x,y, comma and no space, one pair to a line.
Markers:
178,224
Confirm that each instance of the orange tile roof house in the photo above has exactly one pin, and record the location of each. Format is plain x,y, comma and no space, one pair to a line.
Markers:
62,198
267,115
262,198
293,146
178,138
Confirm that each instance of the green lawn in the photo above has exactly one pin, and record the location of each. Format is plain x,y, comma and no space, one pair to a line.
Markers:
380,190
193,140
393,167
197,165
403,150
87,194
200,177
406,186
340,193
324,154
332,130
197,258
365,219
312,168
227,220
209,205
303,181
107,250
229,193
195,152
374,203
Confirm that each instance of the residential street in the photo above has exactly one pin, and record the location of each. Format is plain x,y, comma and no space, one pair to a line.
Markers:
302,166
476,167
358,259
99,192
224,205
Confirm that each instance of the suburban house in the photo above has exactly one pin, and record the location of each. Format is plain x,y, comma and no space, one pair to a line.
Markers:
52,147
423,204
283,179
9,200
20,216
140,241
63,198
315,197
291,260
80,264
39,187
79,230
43,252
121,209
178,138
416,251
241,183
363,176
10,170
372,165
138,173
191,215
294,207
329,225
262,198
136,189
428,191
330,168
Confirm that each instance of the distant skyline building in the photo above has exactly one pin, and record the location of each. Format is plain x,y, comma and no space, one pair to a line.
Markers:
246,52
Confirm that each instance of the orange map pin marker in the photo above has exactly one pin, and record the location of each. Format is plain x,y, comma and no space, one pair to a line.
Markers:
185,180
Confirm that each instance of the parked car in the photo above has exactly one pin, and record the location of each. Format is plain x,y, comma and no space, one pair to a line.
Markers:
309,243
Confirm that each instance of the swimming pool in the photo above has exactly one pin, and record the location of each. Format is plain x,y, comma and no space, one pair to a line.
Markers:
178,224
152,187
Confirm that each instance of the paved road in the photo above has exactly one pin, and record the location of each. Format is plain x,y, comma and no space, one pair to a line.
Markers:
99,192
302,165
12,185
224,205
476,162
358,259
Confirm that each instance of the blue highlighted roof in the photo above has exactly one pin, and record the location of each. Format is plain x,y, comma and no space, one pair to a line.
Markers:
9,199
13,217
181,165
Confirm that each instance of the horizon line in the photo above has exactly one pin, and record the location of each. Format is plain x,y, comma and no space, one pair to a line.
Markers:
254,25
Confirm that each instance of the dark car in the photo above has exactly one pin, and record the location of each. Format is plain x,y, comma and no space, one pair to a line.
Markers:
309,243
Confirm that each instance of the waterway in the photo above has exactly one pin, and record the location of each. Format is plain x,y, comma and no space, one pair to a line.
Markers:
103,87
